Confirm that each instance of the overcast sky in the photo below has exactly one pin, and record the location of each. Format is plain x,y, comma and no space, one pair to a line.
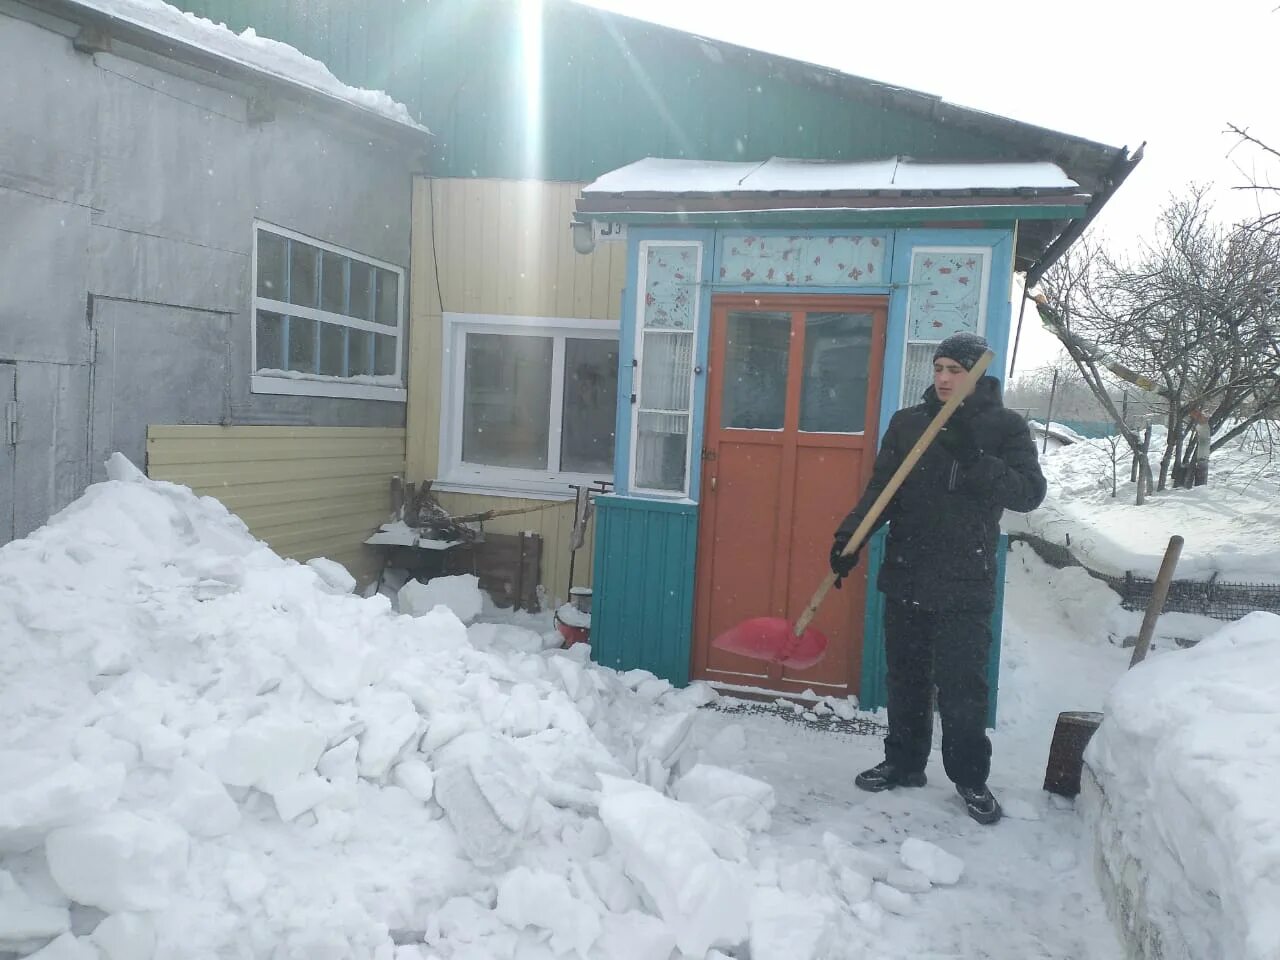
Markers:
1116,71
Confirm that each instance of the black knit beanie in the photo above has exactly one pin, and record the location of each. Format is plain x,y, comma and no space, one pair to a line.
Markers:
964,348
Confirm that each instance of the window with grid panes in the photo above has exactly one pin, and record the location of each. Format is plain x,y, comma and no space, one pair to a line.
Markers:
327,321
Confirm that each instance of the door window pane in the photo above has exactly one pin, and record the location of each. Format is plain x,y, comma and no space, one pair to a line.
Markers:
506,412
755,370
304,274
271,260
590,404
666,371
837,354
662,443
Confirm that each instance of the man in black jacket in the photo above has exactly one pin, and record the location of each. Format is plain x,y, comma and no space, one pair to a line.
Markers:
939,571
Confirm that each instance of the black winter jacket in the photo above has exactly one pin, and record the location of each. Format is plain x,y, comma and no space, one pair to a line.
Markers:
944,521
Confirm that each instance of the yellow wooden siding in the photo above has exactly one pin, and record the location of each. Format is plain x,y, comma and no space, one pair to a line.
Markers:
307,491
501,247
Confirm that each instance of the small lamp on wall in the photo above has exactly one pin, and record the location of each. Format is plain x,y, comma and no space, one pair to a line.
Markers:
583,241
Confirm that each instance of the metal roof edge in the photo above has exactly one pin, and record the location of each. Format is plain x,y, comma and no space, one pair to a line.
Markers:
164,46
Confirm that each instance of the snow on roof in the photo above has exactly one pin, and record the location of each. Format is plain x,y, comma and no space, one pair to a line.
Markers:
250,50
778,175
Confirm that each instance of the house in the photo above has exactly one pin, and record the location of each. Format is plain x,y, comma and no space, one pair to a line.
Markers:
693,172
209,238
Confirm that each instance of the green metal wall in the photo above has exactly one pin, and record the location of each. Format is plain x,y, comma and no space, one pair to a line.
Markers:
613,89
642,604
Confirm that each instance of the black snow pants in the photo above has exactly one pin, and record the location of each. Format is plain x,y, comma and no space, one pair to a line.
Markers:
949,649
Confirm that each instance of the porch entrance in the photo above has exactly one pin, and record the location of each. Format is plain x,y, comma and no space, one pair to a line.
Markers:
792,414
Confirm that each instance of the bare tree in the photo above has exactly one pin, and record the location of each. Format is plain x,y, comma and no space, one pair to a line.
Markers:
1193,319
1268,218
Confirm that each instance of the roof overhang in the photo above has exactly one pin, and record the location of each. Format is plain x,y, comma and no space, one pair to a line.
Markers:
1050,207
103,30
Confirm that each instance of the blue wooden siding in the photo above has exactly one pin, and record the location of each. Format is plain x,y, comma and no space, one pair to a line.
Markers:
642,609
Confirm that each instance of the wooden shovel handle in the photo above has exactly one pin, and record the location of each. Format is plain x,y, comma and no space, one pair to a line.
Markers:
908,462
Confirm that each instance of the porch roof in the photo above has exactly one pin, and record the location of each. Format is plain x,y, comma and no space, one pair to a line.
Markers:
1051,207
897,176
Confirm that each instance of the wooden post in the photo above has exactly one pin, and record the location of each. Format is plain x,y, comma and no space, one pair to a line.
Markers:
1155,605
1048,417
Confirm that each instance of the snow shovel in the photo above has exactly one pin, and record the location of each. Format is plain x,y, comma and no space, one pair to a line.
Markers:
800,646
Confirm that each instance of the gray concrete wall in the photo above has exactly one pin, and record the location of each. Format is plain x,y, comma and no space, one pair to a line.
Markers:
128,190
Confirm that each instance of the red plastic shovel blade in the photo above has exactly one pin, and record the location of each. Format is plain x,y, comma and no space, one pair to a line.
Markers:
771,638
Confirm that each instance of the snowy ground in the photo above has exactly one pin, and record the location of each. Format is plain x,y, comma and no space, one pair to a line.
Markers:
1231,527
207,751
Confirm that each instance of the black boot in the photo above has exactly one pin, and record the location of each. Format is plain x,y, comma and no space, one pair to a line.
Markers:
885,776
980,804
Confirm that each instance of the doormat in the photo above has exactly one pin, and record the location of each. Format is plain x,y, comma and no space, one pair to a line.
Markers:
862,725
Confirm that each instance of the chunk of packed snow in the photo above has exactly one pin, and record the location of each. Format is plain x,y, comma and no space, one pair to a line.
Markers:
460,594
536,898
891,899
118,861
725,795
632,935
38,794
787,926
416,777
125,936
333,574
67,947
931,860
23,920
908,881
665,848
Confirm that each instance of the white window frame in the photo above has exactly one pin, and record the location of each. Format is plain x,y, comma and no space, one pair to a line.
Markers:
386,387
457,475
984,289
642,285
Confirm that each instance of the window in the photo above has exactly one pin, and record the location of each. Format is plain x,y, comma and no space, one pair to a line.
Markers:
529,403
327,322
666,323
948,294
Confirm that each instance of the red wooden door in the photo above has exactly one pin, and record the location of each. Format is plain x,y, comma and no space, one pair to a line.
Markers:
792,414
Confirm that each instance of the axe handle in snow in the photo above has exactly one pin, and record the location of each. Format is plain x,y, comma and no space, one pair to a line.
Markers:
908,462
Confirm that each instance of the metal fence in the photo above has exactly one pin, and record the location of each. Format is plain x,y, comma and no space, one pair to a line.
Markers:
1210,598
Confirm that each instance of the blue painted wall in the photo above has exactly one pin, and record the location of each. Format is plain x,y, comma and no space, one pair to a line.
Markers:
642,610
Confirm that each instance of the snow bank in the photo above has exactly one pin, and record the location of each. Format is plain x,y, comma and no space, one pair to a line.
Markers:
260,53
207,750
1183,779
1231,527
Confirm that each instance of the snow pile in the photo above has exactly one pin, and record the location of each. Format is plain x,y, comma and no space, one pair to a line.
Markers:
460,594
249,49
206,750
1231,526
1188,764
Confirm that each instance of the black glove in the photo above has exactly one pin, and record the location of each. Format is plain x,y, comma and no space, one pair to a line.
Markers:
958,440
842,565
